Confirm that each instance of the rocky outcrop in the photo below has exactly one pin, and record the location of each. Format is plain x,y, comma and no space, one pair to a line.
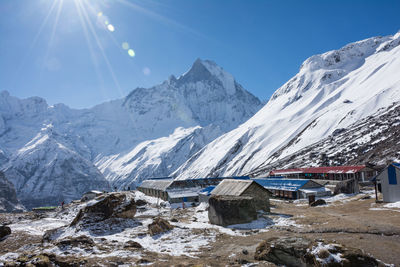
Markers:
301,252
347,187
159,226
8,196
110,205
228,210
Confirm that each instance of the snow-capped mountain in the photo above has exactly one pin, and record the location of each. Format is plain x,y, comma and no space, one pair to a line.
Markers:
156,158
331,91
8,196
148,133
46,172
373,140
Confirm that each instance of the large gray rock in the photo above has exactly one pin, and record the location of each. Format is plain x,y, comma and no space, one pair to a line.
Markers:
288,251
109,205
8,196
302,252
228,210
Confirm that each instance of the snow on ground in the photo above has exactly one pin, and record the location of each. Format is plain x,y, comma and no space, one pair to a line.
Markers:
395,206
191,233
38,227
330,256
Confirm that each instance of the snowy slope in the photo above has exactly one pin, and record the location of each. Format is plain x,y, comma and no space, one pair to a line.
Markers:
46,172
331,91
156,158
374,140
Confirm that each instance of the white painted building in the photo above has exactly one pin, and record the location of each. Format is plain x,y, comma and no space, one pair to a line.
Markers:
390,182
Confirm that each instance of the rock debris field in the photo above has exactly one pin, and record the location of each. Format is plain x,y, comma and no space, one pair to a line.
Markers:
131,229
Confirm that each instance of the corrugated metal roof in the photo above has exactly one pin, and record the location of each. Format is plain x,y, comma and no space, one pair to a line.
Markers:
282,184
231,187
333,169
181,193
157,184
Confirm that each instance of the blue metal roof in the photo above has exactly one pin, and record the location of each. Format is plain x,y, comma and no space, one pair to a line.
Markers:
282,184
209,178
207,190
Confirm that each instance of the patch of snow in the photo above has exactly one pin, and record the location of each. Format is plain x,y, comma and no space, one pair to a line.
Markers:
332,257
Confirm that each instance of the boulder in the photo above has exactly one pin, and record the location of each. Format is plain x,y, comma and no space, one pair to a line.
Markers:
347,187
298,251
318,202
159,226
228,210
4,231
80,241
288,251
112,205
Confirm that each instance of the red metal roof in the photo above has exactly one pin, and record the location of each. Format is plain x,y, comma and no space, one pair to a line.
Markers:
333,169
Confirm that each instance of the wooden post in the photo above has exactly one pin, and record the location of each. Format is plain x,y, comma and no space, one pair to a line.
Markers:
376,190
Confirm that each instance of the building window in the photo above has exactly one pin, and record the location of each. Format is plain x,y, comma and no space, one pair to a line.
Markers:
392,175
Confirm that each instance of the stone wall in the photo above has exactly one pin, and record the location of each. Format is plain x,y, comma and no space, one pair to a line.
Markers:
260,195
228,210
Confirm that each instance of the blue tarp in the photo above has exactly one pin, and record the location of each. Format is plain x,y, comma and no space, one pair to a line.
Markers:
282,184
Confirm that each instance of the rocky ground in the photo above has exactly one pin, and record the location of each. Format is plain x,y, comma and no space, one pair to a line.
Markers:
158,236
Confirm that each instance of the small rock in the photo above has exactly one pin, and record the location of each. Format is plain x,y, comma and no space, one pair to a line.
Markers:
143,261
245,251
174,220
159,226
318,202
141,202
132,244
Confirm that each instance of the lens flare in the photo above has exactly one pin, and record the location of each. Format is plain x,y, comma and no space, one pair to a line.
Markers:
146,71
131,53
110,27
125,45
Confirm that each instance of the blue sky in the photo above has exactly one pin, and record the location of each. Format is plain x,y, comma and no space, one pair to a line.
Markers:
262,43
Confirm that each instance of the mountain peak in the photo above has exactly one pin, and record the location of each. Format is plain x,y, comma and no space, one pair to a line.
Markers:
207,70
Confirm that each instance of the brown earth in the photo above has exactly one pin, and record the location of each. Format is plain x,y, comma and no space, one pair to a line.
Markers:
376,232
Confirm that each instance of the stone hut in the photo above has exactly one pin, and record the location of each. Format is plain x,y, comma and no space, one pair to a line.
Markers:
244,188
